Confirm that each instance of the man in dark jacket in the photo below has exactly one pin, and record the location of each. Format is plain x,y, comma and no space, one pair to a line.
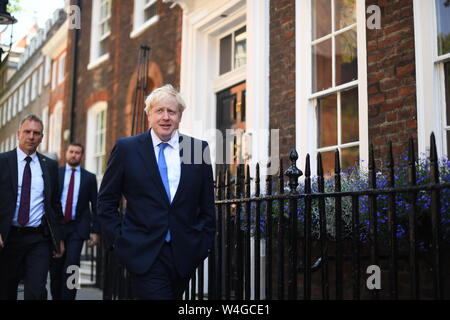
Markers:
30,215
166,178
79,201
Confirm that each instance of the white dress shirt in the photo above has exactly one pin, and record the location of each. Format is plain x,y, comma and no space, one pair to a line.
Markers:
37,209
76,189
172,156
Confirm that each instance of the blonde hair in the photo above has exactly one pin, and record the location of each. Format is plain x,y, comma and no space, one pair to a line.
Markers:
162,93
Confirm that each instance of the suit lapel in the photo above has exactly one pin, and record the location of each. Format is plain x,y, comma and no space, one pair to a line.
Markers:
82,187
147,153
45,175
12,162
62,175
183,142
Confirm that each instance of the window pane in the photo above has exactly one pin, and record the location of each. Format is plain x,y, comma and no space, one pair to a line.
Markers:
443,26
328,163
327,115
447,90
345,13
240,48
322,64
349,157
150,12
349,116
448,143
225,54
321,18
103,47
346,57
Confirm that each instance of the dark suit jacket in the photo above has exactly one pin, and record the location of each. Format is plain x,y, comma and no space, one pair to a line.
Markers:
132,171
52,219
86,211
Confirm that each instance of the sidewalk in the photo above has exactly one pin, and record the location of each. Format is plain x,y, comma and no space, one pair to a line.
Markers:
85,293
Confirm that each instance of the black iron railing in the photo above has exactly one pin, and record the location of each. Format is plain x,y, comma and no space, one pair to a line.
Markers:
277,245
235,265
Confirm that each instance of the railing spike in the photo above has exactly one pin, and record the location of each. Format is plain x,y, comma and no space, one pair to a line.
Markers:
308,166
337,162
390,155
319,165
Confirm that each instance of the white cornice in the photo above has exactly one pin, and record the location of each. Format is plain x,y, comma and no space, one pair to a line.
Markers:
58,42
185,5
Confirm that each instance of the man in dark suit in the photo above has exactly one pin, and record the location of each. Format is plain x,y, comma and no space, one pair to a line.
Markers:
79,201
30,215
166,179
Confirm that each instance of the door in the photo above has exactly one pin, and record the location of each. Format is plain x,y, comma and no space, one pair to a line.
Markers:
231,124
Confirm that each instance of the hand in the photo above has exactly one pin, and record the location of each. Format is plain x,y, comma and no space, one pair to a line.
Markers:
93,240
1,242
61,250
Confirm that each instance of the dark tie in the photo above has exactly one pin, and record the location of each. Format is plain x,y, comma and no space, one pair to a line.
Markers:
24,208
69,200
164,176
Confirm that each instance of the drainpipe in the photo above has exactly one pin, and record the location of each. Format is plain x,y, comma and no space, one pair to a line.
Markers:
73,80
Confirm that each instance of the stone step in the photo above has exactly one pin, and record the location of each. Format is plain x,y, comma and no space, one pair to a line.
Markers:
87,263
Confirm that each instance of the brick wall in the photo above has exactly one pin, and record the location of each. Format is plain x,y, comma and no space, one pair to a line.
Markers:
111,81
391,78
282,73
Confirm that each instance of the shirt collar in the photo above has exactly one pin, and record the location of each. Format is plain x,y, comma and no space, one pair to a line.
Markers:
69,168
173,142
22,155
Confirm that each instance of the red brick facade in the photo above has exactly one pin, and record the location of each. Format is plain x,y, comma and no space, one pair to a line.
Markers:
113,81
391,78
282,73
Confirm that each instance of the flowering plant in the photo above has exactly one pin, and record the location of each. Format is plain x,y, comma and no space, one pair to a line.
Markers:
356,179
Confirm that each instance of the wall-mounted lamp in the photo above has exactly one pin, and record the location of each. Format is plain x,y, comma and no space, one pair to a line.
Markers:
5,16
7,19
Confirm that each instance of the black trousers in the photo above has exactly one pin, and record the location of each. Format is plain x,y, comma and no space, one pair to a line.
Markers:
59,267
162,281
26,255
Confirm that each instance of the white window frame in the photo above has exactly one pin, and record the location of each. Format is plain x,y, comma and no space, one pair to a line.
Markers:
15,101
1,115
9,108
48,70
306,116
5,107
95,58
54,74
40,79
431,113
27,92
139,24
202,23
21,96
44,144
34,83
235,75
61,68
55,130
91,132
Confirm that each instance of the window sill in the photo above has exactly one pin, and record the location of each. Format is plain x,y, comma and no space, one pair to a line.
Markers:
94,64
139,30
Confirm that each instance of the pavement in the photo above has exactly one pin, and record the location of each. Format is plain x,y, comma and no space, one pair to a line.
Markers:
85,293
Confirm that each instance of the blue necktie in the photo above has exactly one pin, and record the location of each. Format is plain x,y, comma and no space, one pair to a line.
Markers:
162,166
